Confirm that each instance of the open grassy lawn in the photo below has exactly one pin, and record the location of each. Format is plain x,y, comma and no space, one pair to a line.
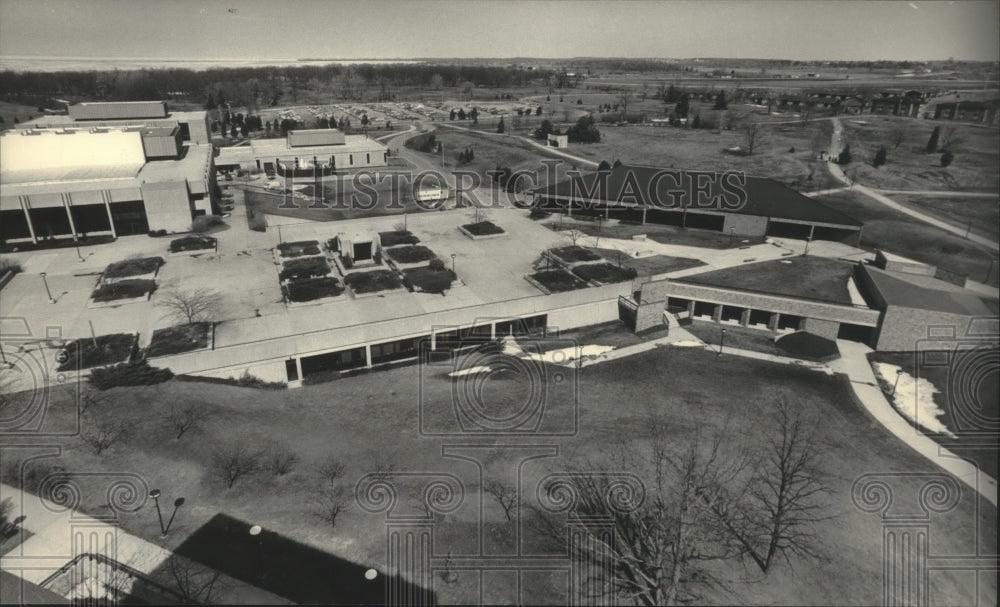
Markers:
909,167
383,203
658,233
968,410
704,150
648,266
801,276
979,215
740,338
490,151
370,419
899,233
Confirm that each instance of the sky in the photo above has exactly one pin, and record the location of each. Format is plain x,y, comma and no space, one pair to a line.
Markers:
383,29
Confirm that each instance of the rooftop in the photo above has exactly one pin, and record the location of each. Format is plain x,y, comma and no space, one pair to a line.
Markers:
280,147
816,278
927,293
653,186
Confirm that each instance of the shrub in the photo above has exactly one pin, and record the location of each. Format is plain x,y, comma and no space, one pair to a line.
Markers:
410,254
347,261
298,249
245,381
333,245
157,233
604,272
428,279
123,289
204,223
483,228
558,280
879,157
128,374
9,265
436,265
257,223
845,155
371,282
575,253
537,213
192,243
312,288
181,338
309,267
133,266
947,157
397,237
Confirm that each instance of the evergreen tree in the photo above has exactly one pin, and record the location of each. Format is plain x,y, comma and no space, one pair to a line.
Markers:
845,155
946,158
452,115
932,143
604,166
500,126
538,111
879,157
720,101
696,123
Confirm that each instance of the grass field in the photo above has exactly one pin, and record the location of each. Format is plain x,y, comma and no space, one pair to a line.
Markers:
802,276
489,152
9,111
369,419
899,233
657,233
976,166
277,204
648,266
979,215
705,150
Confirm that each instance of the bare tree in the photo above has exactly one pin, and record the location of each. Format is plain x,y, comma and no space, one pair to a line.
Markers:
281,460
623,100
506,496
103,432
329,502
331,469
574,236
186,418
195,584
190,305
233,461
778,510
897,135
384,468
753,135
949,137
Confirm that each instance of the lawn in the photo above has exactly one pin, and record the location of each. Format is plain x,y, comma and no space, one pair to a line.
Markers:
376,423
363,205
803,276
371,282
605,273
180,338
574,253
410,254
132,267
901,234
704,150
109,349
192,243
657,233
979,215
970,412
309,267
129,288
557,281
740,338
650,265
483,228
490,151
308,289
298,249
909,167
397,237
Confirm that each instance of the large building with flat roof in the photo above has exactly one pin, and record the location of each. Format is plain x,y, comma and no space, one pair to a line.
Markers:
191,126
303,151
72,182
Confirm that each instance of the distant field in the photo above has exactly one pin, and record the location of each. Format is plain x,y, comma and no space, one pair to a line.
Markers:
489,152
976,166
899,233
698,149
10,111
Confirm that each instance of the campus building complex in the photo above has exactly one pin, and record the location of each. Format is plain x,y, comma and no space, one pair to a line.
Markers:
707,201
114,168
303,152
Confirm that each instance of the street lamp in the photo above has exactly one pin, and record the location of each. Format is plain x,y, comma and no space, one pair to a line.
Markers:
76,243
164,529
452,263
47,291
732,232
255,533
722,342
899,372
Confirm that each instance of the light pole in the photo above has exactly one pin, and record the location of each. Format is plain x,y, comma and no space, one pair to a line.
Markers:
47,291
808,240
76,243
164,529
452,263
732,232
3,359
722,342
255,533
899,372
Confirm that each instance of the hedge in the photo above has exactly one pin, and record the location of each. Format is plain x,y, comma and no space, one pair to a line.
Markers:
110,349
397,237
123,289
133,267
128,374
410,254
298,249
312,288
192,243
298,269
370,282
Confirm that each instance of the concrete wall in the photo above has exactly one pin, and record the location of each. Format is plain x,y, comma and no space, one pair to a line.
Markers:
745,225
649,316
823,328
903,329
168,206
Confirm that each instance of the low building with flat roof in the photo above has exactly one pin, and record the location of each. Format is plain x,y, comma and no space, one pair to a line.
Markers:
193,126
301,152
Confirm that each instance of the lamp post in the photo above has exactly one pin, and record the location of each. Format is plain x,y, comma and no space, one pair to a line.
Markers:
722,342
899,372
732,232
164,529
76,243
808,240
47,291
452,263
255,534
3,359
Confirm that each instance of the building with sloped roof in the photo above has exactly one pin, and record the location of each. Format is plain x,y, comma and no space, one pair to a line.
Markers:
723,202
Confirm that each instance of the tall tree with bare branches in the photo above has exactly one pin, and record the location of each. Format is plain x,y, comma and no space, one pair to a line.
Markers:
190,306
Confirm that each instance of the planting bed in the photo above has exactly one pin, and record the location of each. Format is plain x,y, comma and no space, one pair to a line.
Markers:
299,248
311,289
192,243
83,354
410,254
310,267
556,281
132,267
482,229
123,289
394,238
573,254
428,279
604,272
372,282
178,339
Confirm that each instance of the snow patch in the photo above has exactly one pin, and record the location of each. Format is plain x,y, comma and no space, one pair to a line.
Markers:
914,398
469,371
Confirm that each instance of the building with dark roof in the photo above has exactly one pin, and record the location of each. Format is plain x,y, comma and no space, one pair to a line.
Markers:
723,202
